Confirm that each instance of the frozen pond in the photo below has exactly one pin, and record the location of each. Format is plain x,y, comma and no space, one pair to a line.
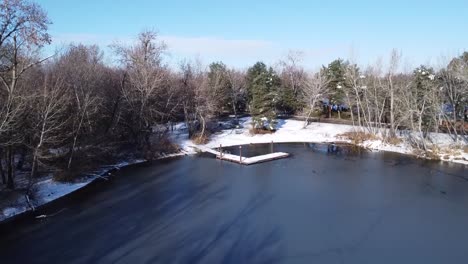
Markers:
322,205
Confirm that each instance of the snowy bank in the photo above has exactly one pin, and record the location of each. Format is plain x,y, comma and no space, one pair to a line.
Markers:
48,190
289,131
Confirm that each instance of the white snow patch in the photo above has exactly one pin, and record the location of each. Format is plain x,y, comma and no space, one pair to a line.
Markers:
12,211
49,190
287,131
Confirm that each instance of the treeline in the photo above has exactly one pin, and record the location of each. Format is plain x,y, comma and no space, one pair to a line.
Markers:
72,111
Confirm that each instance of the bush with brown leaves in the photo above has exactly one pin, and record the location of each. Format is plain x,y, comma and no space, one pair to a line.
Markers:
358,137
259,131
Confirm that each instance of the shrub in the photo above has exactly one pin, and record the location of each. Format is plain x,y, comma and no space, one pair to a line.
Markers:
432,155
200,139
160,147
358,137
394,140
65,175
259,131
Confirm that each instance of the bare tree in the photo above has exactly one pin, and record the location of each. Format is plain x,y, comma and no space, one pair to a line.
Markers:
201,104
237,91
81,70
292,72
204,101
392,89
314,89
187,93
455,88
49,120
23,31
423,103
145,76
352,87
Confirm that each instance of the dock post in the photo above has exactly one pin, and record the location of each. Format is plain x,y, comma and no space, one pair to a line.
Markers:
271,146
240,154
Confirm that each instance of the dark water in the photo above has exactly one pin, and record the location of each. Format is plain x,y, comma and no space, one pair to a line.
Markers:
322,205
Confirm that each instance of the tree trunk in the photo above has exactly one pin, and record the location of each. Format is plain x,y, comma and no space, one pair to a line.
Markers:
34,165
420,121
392,116
455,119
2,171
187,122
21,159
350,108
75,138
114,115
33,173
234,110
203,126
10,172
306,123
358,108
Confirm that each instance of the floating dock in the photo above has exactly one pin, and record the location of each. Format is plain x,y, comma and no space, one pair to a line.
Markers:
244,160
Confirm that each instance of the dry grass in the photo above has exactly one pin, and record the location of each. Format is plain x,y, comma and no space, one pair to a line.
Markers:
258,131
358,137
465,149
432,155
67,175
434,152
200,139
454,151
160,147
394,141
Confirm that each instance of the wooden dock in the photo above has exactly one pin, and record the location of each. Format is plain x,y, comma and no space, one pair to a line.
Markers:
243,160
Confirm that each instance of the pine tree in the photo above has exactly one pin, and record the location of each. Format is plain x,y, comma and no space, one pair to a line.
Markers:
424,83
336,76
288,102
262,91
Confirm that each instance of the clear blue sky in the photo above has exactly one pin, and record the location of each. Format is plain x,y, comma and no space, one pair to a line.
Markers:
241,32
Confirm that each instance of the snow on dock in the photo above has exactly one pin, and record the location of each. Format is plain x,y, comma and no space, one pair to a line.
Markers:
243,160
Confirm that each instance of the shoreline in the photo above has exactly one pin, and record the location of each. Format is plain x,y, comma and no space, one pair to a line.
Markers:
24,209
290,131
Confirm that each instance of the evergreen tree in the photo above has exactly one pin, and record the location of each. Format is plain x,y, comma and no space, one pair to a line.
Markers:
424,83
336,76
288,102
262,89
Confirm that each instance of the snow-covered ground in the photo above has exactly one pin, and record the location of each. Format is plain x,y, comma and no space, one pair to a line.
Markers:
292,131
